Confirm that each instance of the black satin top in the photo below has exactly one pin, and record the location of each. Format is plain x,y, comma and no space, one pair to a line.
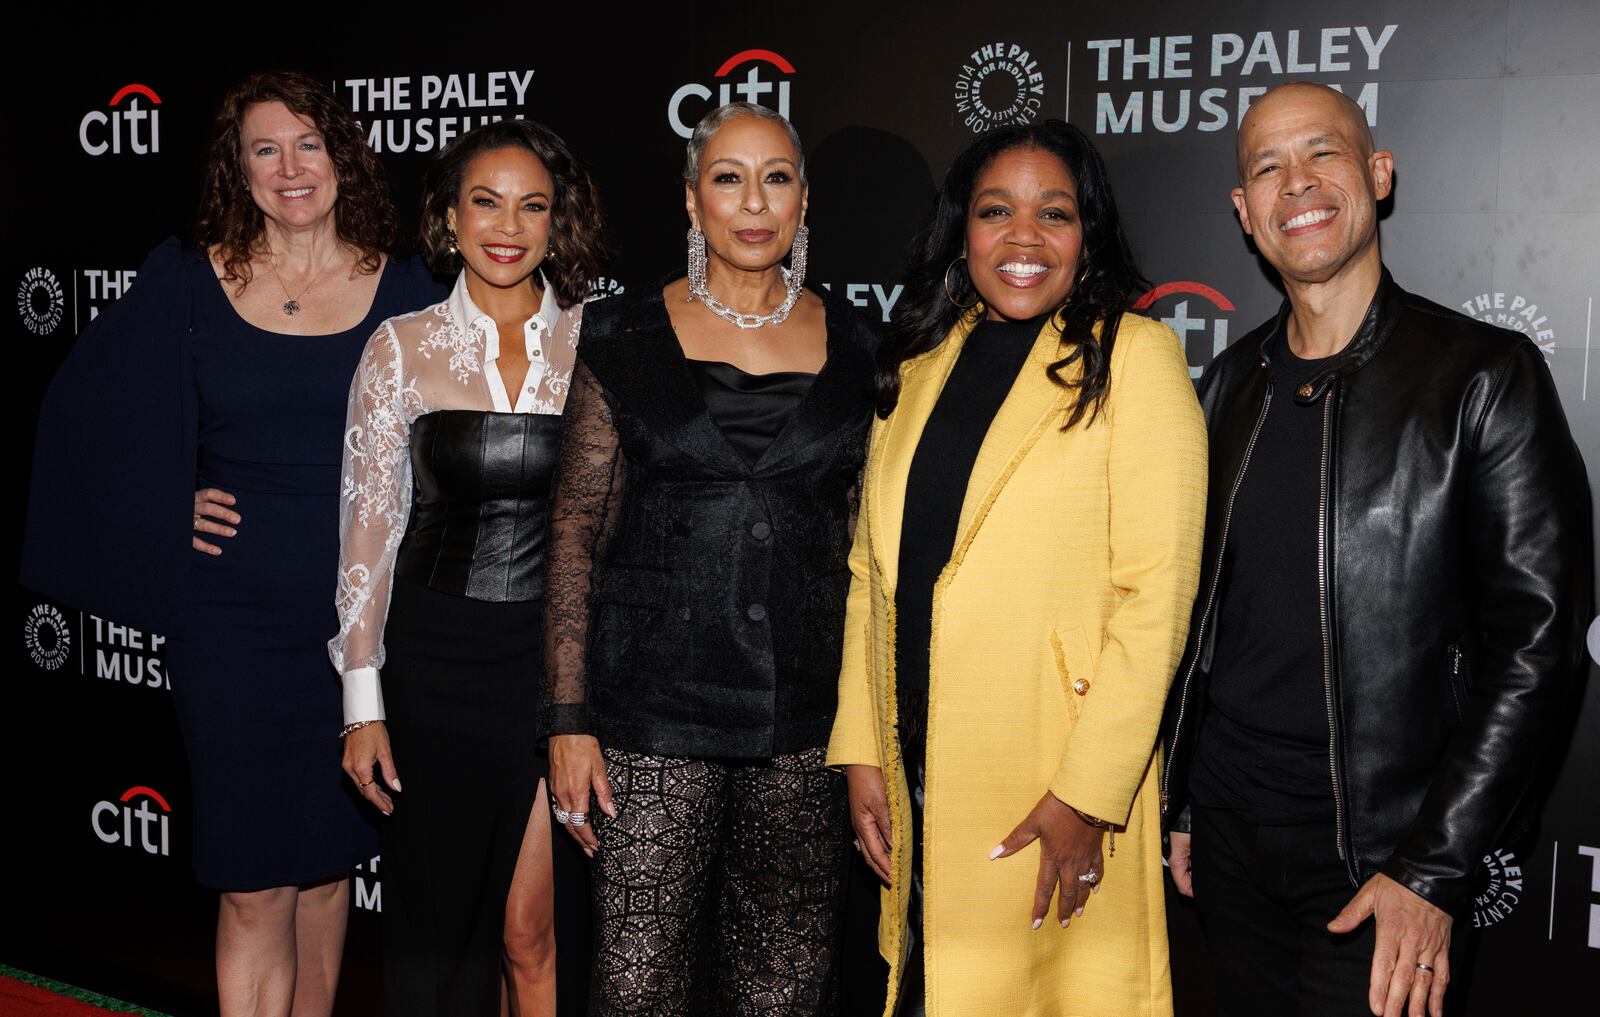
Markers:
480,525
750,409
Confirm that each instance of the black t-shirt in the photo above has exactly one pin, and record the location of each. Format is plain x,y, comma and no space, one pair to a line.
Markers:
1263,745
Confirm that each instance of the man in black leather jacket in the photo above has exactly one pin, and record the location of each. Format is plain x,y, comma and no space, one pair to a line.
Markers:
1396,579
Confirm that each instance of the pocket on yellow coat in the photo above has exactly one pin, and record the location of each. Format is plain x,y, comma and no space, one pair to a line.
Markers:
1075,668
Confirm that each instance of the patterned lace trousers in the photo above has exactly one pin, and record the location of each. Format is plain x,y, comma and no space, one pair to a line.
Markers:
718,886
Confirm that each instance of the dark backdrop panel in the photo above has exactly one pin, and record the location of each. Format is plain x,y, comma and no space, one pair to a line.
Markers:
1490,106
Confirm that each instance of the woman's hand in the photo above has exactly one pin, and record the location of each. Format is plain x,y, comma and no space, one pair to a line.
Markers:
576,769
869,813
1068,849
362,748
211,504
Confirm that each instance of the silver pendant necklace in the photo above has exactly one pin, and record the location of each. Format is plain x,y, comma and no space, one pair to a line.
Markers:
291,304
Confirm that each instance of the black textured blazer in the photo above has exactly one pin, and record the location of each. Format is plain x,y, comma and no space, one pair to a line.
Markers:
696,601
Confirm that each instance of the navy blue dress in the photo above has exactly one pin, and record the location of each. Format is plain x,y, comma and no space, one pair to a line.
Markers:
260,415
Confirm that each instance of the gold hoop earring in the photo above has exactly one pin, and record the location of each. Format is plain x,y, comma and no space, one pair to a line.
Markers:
950,296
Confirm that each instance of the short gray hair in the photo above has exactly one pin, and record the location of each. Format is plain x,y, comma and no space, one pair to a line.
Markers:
712,122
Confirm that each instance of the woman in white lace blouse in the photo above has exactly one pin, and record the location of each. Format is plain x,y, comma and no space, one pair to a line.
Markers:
449,449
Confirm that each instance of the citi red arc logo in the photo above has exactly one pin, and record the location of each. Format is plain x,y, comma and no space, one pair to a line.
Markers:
134,825
1174,298
134,128
682,115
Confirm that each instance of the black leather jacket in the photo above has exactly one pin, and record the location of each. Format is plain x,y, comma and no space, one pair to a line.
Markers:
1454,563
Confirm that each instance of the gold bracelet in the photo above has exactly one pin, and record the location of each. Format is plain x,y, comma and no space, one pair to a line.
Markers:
1099,824
358,725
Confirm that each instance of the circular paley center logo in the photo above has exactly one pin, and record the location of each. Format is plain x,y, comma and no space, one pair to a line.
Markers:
1516,312
47,636
1500,889
1594,640
999,83
605,286
41,301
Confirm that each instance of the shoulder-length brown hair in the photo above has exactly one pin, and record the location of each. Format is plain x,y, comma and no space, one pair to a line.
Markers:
363,214
577,224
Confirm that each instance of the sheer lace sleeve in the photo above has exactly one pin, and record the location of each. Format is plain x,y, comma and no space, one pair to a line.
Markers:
375,503
588,487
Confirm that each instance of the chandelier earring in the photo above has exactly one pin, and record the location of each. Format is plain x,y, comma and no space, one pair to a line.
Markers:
797,259
697,262
450,240
948,295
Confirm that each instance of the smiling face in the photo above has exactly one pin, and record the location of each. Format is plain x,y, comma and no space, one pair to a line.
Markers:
1310,183
749,200
1024,236
286,161
502,215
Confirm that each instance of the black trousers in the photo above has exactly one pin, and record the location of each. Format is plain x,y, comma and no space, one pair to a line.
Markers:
1265,896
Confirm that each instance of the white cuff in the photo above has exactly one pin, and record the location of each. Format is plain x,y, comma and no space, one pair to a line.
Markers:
363,695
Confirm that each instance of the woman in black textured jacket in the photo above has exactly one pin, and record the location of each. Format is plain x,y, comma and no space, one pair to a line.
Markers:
696,595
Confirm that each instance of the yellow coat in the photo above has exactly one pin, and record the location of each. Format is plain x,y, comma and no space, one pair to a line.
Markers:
1076,558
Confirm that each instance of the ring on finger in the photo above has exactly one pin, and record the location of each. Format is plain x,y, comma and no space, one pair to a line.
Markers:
562,815
578,818
362,785
1091,877
197,520
1426,969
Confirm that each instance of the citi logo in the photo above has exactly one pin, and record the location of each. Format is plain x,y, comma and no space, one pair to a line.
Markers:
134,128
134,825
1171,302
683,114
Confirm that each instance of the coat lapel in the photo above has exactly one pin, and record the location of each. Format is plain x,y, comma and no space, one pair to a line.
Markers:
921,381
1033,404
836,398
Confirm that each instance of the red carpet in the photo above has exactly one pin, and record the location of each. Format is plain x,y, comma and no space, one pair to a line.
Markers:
27,995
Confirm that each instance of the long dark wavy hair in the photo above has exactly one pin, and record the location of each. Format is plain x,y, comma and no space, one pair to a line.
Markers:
577,224
363,214
1109,284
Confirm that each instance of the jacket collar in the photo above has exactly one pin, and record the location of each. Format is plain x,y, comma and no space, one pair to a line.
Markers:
666,397
1034,404
1379,322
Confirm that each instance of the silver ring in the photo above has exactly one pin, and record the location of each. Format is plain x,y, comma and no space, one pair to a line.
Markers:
1428,968
1089,877
579,818
562,815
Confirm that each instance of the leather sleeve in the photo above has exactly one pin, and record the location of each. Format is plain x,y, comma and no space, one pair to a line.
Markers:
1531,556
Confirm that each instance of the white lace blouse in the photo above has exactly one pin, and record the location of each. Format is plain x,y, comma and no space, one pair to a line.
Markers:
443,357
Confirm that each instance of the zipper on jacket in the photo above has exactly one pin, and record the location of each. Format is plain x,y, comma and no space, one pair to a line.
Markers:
1211,600
1327,635
1455,678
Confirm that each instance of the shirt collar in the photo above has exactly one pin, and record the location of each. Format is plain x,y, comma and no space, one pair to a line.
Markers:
468,315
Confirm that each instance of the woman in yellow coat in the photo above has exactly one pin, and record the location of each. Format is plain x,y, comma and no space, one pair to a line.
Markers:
1023,569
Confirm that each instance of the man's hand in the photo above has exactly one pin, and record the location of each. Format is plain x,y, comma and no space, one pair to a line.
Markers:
1411,933
1179,863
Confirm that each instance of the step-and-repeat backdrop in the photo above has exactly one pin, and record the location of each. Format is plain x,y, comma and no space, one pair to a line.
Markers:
1492,108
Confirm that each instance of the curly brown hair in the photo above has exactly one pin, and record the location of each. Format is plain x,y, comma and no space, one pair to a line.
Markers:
577,224
363,214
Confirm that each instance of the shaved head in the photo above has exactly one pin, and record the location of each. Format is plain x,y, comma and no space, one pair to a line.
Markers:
1344,115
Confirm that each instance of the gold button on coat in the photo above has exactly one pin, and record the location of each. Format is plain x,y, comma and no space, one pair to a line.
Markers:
1081,686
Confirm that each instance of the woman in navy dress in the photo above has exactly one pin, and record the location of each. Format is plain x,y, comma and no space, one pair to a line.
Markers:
222,376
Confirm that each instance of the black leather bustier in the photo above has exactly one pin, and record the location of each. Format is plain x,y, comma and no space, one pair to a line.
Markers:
480,525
